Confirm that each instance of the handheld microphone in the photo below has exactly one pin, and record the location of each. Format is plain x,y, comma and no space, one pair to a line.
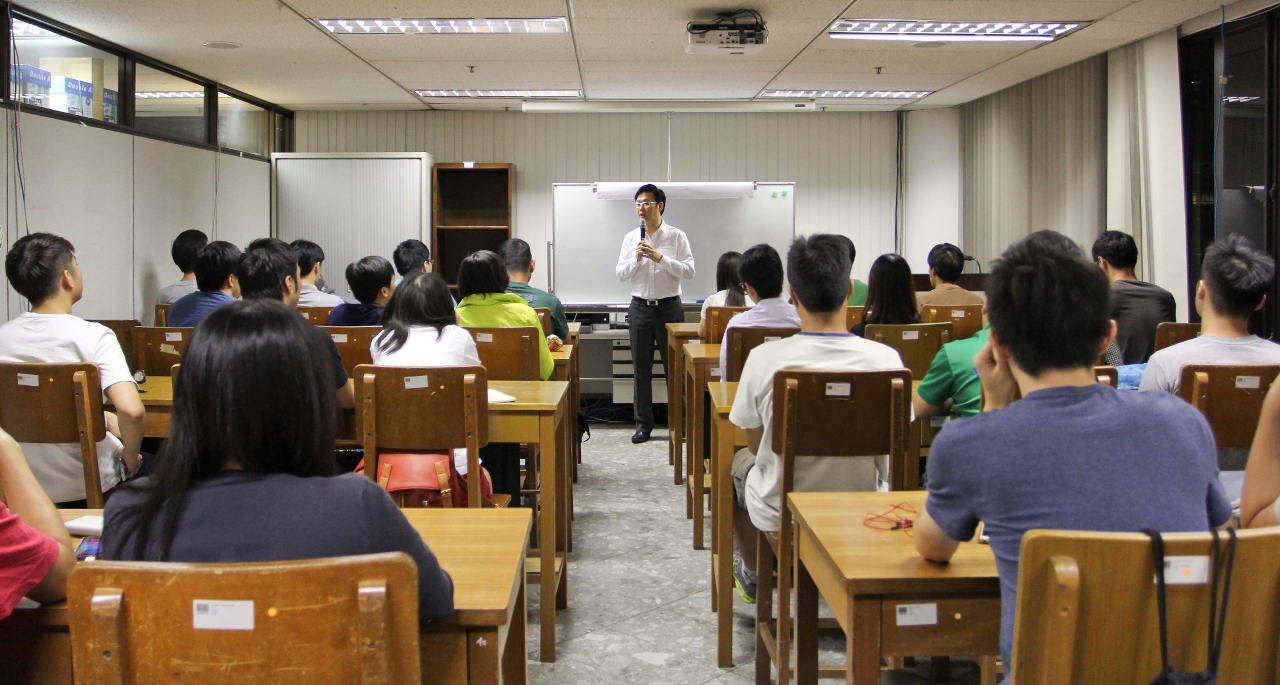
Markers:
642,229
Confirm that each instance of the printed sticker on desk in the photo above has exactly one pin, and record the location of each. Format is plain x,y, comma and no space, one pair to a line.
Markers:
957,313
168,349
339,337
173,336
839,389
29,379
917,614
415,382
484,337
221,614
1189,570
468,165
911,335
1248,382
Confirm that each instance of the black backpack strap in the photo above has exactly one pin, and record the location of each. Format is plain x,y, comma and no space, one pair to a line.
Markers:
1215,646
1157,553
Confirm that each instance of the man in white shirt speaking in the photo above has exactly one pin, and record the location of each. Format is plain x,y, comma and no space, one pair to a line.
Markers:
655,256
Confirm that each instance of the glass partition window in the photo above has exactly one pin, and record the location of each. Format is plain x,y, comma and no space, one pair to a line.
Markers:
58,73
243,126
169,106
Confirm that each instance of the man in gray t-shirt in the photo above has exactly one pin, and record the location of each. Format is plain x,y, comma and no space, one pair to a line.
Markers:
1137,307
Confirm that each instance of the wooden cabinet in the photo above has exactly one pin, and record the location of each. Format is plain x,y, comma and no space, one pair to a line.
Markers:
471,210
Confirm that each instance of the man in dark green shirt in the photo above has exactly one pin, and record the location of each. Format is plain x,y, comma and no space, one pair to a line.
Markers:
952,377
515,253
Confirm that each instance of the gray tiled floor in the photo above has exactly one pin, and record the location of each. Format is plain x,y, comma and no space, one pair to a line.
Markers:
639,594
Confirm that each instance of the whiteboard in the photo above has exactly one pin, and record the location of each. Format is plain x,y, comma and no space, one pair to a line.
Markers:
587,235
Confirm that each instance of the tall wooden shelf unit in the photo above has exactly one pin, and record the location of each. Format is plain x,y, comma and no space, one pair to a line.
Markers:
471,210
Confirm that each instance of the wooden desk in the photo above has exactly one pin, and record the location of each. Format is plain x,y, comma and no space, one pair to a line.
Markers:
483,641
575,330
866,574
157,399
725,439
701,364
678,334
566,359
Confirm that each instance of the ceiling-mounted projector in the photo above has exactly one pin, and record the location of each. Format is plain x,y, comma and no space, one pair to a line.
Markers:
740,32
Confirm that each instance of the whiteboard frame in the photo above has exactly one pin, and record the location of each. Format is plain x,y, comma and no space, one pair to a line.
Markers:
424,210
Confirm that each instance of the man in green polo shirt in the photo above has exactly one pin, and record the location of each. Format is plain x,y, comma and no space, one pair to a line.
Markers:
516,255
952,384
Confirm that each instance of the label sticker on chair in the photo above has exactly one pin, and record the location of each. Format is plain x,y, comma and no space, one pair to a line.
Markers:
771,338
911,335
173,336
30,379
917,614
168,349
957,313
1248,382
839,389
715,373
468,165
221,614
339,337
938,421
415,382
484,337
1189,570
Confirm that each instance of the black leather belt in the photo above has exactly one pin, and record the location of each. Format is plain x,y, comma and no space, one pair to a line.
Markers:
655,303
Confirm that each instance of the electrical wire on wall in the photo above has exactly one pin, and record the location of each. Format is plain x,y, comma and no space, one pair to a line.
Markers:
899,188
15,60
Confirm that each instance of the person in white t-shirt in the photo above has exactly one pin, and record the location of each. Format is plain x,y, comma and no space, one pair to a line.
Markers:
42,267
311,266
184,251
818,271
729,289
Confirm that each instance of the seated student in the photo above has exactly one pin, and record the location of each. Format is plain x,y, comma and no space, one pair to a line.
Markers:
482,283
311,264
372,282
1234,281
1071,454
729,291
184,250
255,447
951,384
946,263
1136,307
520,264
760,270
36,554
1260,499
858,290
216,276
818,270
891,297
42,267
269,270
412,255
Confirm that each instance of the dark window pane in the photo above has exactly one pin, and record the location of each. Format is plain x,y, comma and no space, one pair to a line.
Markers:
168,105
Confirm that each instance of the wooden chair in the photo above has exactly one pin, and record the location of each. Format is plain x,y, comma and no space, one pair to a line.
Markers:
1107,375
966,318
741,340
544,318
918,343
318,316
1087,609
821,414
336,620
1169,334
162,314
157,349
353,344
123,328
509,354
392,401
853,316
717,318
57,403
1230,397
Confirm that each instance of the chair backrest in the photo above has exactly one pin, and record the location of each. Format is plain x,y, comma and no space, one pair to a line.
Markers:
853,316
162,314
341,619
917,343
1107,375
509,354
157,349
1230,397
966,318
544,318
1169,333
741,340
56,403
123,328
353,344
1087,608
318,316
717,319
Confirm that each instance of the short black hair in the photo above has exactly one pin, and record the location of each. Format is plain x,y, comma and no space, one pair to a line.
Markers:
309,254
35,264
186,247
482,272
264,267
761,268
369,275
1048,304
818,269
848,244
947,262
410,255
1237,275
658,195
1117,248
215,263
516,255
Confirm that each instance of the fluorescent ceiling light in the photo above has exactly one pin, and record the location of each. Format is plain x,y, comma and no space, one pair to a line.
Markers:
553,93
393,26
167,94
859,94
921,31
22,29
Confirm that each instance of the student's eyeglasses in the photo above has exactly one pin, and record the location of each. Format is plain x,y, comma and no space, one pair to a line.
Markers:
642,205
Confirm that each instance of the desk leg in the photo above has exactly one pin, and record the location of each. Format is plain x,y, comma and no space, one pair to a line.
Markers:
693,413
862,644
484,664
564,454
806,627
515,654
675,377
722,542
547,531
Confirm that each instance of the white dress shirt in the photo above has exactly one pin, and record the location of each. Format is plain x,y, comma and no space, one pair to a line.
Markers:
652,280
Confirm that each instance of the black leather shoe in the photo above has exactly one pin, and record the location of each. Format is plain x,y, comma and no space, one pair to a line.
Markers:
642,435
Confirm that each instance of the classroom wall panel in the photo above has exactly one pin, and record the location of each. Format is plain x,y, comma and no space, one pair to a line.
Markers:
931,212
244,199
844,163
